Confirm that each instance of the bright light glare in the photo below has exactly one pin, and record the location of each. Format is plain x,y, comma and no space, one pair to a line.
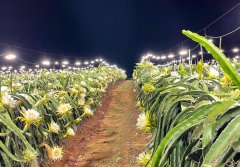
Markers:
235,50
163,57
22,67
37,66
149,55
171,56
46,62
65,62
4,68
78,63
194,56
56,63
210,40
10,56
86,62
183,52
92,62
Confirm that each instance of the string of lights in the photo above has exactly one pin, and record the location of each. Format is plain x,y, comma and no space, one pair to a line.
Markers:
179,55
49,62
61,65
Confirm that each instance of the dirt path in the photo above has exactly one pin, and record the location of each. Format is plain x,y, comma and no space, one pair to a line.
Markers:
110,137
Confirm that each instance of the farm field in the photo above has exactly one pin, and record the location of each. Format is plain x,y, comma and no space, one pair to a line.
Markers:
124,83
110,137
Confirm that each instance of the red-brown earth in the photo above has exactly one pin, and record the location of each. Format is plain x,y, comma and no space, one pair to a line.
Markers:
110,137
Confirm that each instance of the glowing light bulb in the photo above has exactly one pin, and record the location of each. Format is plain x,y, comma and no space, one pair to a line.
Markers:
163,57
149,55
22,67
210,40
4,68
78,63
183,52
235,50
10,56
46,62
65,62
171,56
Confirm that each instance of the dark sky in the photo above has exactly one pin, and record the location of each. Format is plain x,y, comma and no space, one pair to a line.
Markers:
119,30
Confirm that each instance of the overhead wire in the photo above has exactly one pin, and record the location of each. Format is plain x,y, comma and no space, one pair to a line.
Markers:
209,25
224,35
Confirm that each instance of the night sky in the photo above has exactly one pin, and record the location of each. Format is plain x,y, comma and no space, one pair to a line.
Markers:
119,30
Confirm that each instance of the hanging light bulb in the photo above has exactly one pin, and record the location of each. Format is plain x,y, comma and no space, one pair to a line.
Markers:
65,62
235,50
22,67
171,56
10,56
149,55
46,62
210,40
4,68
183,52
78,63
163,57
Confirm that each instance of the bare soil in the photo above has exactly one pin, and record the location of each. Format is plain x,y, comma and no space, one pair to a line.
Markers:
110,137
